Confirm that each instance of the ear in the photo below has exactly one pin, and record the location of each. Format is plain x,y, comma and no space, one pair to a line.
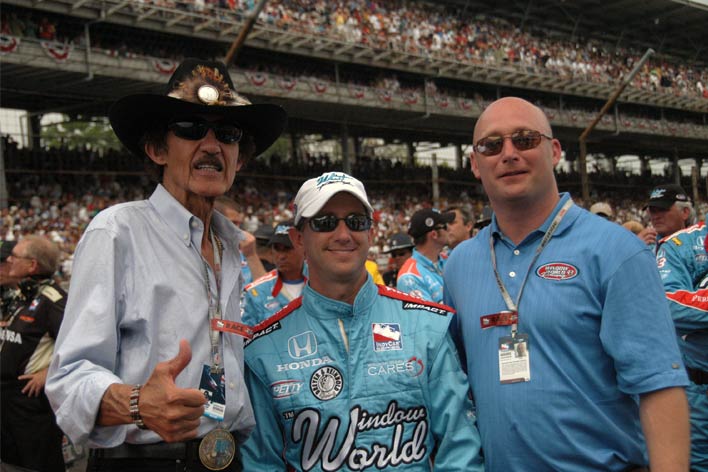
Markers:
557,151
296,238
159,157
473,164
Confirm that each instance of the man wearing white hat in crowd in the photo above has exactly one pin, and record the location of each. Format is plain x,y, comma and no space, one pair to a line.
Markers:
352,374
148,366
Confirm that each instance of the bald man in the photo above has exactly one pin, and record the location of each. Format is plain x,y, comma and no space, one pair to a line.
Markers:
554,305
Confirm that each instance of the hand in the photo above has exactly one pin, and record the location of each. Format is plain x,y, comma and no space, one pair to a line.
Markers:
648,235
248,244
172,412
35,383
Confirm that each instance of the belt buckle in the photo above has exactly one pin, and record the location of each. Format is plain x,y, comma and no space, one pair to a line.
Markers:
217,449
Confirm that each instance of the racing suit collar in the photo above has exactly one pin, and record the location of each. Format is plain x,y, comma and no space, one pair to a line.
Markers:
321,307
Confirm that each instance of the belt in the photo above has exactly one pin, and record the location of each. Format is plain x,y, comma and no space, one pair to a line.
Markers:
161,450
182,451
697,376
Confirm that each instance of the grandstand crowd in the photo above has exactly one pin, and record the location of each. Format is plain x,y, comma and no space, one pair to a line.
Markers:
420,28
57,192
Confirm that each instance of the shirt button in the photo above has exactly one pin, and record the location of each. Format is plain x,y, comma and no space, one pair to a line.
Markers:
186,237
512,274
675,365
516,252
231,385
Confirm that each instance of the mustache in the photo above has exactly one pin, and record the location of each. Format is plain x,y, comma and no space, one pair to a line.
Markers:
209,160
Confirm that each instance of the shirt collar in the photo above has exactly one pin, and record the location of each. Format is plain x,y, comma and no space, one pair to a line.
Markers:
573,213
184,224
319,306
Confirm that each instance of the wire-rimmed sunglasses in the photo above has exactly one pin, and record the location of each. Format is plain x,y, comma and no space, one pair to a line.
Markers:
328,223
195,129
523,140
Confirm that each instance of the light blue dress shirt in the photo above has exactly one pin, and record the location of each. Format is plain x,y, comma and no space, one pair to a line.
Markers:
138,287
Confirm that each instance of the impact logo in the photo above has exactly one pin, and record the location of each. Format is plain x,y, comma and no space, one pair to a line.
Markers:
263,332
387,337
557,271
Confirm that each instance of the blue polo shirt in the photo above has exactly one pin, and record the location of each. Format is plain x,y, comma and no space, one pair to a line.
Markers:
600,334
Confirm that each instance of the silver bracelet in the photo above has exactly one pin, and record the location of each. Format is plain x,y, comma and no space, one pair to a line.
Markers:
134,410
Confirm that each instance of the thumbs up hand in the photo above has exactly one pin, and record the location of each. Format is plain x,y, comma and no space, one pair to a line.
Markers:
172,412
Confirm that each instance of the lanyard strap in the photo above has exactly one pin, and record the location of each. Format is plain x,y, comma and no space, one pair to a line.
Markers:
214,304
514,307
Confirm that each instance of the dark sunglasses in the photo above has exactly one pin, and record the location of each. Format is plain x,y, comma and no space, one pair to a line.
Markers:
399,253
195,130
328,223
523,140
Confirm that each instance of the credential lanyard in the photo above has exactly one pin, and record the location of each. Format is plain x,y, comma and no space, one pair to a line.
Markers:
217,324
214,305
511,306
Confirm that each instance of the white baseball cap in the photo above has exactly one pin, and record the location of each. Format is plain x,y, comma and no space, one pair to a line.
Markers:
316,192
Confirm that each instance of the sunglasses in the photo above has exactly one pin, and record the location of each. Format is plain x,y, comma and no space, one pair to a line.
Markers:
328,223
399,253
523,140
195,130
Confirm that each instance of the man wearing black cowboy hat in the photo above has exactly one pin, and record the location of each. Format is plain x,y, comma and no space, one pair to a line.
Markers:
148,366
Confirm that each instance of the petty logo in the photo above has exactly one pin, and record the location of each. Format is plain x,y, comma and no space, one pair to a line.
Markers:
557,271
387,337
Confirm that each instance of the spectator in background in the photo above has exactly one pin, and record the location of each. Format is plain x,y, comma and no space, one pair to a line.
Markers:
159,284
30,436
670,210
400,248
8,285
251,265
263,234
354,374
372,267
270,293
683,266
459,229
602,209
634,226
579,293
421,275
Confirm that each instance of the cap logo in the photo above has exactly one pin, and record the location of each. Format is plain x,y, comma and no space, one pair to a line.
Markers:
657,193
429,222
332,178
282,229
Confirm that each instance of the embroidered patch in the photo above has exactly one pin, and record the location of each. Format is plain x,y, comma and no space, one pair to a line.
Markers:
557,271
326,383
387,337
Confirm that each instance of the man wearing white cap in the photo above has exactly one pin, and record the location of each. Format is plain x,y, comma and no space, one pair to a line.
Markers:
353,375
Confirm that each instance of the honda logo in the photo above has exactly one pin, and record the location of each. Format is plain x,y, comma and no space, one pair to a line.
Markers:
302,345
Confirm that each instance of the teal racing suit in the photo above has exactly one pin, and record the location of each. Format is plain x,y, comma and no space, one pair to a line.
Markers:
265,296
376,384
683,264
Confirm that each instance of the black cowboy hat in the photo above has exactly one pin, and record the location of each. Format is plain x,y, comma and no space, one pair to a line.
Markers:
196,87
